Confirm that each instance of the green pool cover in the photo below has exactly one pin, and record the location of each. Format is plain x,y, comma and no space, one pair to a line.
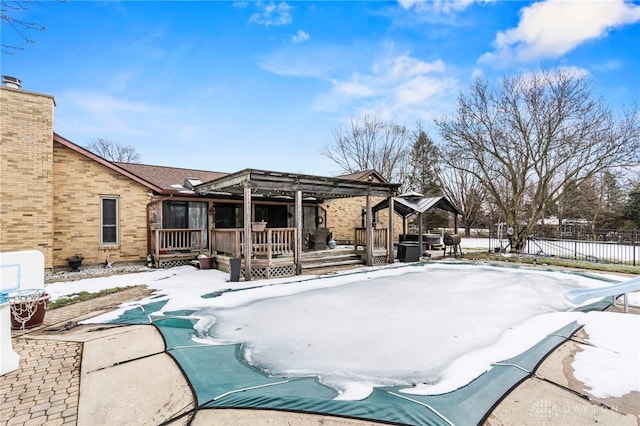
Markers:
220,379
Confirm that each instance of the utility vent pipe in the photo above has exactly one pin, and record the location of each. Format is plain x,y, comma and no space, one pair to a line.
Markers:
13,82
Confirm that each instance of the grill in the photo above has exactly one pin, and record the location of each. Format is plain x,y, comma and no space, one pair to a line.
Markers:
453,242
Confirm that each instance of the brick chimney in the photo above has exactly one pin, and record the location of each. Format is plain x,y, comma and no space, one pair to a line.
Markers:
26,167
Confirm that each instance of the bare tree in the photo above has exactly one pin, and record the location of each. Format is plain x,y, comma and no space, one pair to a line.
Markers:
8,10
371,143
113,151
465,190
526,139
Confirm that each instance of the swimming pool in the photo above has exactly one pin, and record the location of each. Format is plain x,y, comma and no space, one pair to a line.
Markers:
379,344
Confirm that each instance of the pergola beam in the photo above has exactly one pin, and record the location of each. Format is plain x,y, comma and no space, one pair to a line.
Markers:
267,183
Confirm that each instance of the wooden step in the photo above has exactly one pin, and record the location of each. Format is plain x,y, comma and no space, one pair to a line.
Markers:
329,264
318,259
326,253
337,256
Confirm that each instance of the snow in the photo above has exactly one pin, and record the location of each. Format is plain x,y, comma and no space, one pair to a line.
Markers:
432,328
616,342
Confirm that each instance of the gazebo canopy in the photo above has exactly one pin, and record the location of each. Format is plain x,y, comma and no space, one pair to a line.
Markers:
413,203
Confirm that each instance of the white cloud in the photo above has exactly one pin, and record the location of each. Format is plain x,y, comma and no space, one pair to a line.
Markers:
322,62
105,104
393,85
551,28
353,89
404,66
477,73
300,36
540,76
609,65
272,14
397,87
417,90
106,111
438,6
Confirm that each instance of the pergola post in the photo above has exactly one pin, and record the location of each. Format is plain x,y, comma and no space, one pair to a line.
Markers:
248,247
369,231
420,232
298,248
390,251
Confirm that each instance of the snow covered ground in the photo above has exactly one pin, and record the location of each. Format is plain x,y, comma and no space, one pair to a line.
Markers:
430,327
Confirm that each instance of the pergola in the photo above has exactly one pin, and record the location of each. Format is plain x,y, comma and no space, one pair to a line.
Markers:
251,183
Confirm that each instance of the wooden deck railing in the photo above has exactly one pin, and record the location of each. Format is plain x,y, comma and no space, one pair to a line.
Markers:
177,243
227,241
272,242
379,238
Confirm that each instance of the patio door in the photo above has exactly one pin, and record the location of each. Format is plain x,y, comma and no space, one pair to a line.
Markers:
185,215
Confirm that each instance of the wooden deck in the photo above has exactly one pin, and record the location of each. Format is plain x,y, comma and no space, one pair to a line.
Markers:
273,250
270,243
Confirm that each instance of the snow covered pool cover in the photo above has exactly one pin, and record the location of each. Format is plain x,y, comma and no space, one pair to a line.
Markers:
424,344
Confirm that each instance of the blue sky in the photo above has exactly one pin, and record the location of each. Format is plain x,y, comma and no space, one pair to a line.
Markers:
223,86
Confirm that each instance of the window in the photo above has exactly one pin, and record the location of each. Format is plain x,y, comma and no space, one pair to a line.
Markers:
109,221
274,215
229,216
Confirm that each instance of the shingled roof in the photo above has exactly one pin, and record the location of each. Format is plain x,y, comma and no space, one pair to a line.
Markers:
364,175
176,180
169,178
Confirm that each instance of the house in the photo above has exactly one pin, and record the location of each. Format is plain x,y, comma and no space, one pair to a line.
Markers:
64,200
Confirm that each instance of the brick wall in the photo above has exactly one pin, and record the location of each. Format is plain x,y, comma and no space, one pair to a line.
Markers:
50,194
345,214
79,183
26,172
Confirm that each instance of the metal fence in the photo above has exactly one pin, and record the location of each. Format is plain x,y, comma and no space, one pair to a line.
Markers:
586,233
583,243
